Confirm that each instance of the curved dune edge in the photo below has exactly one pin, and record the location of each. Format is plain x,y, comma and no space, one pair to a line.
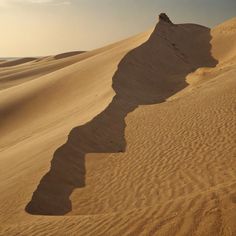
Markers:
67,54
17,62
177,173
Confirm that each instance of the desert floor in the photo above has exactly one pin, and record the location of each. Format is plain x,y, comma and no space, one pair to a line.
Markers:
135,138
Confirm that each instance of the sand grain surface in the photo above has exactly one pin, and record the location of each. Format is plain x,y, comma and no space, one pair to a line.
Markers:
136,138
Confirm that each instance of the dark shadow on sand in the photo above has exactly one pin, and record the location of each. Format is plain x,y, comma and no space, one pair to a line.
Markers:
68,54
143,77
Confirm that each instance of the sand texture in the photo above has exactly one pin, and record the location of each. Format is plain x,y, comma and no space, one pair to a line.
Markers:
135,138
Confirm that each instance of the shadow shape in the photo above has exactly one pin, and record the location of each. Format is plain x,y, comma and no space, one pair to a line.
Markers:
148,74
17,62
67,54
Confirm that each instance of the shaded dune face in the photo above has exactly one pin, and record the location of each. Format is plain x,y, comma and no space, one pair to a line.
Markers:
17,62
148,74
67,54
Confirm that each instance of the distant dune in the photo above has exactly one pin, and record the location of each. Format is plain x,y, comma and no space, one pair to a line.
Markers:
67,54
17,62
135,138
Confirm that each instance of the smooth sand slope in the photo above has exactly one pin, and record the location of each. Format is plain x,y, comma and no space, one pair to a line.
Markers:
136,138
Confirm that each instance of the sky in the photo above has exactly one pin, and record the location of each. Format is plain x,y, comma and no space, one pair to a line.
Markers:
49,27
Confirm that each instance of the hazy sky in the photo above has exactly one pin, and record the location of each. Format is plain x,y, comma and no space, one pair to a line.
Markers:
45,27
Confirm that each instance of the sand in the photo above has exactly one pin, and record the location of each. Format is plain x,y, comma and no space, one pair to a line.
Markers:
135,138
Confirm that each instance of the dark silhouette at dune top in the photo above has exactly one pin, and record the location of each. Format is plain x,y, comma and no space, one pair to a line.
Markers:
165,18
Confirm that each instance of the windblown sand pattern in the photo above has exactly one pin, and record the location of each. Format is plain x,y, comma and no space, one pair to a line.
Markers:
135,138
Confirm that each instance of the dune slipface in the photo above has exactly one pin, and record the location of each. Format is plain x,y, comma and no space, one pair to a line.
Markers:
136,138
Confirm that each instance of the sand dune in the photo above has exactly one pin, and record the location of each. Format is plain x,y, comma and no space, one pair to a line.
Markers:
67,54
136,138
17,62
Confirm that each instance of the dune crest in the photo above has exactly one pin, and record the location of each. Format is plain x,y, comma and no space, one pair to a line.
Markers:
17,62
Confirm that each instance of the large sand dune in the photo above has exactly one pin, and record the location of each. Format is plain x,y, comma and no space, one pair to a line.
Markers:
135,138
